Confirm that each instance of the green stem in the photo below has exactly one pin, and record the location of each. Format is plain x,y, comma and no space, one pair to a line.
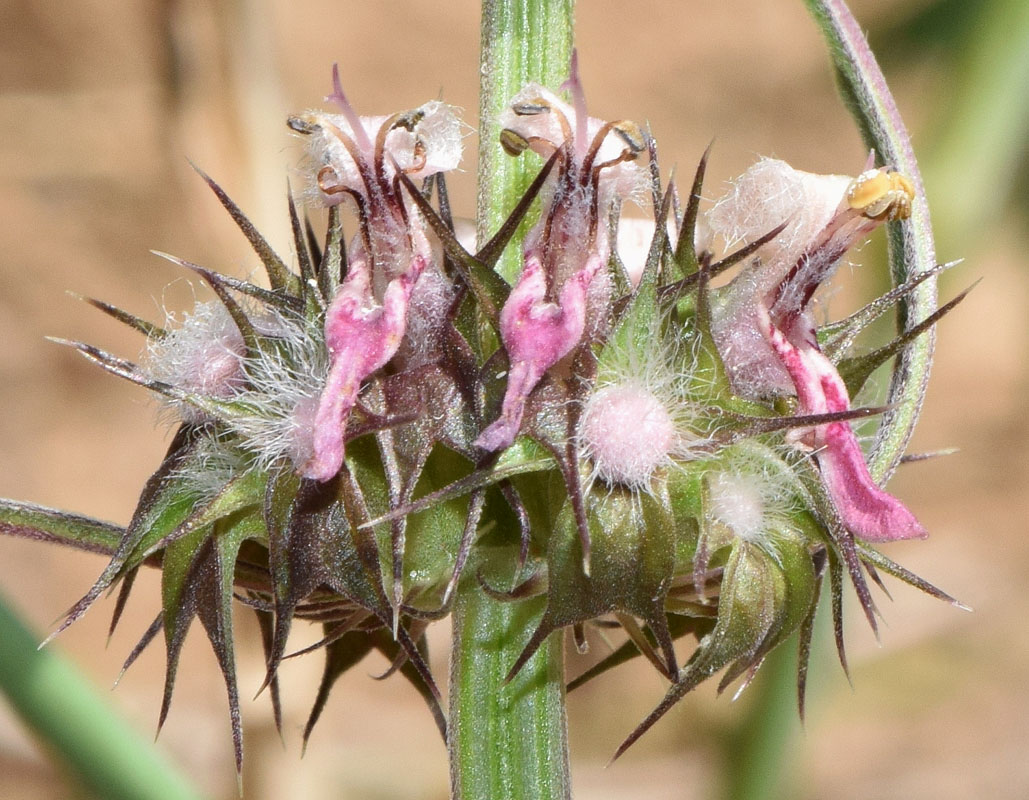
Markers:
508,741
522,41
112,760
911,246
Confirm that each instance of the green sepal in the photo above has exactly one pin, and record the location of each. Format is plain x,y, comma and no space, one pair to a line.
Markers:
148,329
178,603
749,609
639,324
490,290
685,255
873,557
347,651
332,266
710,374
421,545
434,535
686,497
197,579
524,456
678,626
836,338
243,491
279,275
856,370
279,506
225,410
215,589
794,597
309,288
632,540
159,511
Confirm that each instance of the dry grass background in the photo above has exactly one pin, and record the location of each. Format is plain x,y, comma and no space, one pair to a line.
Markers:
101,103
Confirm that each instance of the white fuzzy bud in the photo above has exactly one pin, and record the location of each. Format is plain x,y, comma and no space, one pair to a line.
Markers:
201,354
628,433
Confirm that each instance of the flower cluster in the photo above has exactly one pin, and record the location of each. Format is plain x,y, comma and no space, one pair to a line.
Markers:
641,447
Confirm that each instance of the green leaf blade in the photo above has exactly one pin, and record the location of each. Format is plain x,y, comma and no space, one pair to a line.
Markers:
40,523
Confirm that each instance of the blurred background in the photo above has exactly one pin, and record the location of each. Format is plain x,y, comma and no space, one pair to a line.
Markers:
102,103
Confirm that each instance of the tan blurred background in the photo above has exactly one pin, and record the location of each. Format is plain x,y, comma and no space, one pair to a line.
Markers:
102,102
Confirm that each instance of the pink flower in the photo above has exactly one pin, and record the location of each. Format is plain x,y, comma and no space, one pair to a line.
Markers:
359,158
866,510
766,336
563,293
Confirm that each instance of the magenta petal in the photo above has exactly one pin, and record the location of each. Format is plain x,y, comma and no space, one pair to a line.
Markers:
334,407
536,334
520,381
866,510
361,337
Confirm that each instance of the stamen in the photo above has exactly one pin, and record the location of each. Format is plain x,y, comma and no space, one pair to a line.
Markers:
353,150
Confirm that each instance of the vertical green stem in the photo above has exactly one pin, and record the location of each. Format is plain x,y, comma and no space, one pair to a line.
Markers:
109,758
508,740
522,41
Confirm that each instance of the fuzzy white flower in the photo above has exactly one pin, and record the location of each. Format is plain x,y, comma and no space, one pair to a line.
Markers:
202,353
768,194
285,379
763,326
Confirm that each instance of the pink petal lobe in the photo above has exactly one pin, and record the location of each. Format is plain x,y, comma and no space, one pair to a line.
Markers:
865,509
361,336
537,333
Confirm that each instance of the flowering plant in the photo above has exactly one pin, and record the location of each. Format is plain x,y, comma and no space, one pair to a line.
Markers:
412,425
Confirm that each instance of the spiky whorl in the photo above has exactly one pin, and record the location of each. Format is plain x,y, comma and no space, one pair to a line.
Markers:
639,470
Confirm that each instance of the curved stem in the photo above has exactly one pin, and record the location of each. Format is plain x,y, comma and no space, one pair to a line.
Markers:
112,760
911,247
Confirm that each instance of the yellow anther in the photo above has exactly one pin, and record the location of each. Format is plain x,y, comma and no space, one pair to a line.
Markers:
881,195
306,123
630,133
514,144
